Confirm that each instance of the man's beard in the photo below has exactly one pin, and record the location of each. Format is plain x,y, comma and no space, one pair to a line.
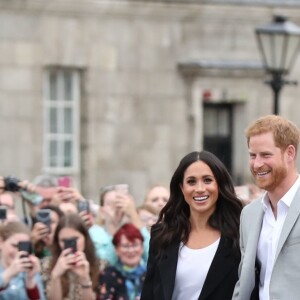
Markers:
276,176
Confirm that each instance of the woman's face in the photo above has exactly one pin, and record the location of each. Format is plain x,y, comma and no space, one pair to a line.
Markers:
9,247
109,200
54,221
129,253
158,197
67,233
200,188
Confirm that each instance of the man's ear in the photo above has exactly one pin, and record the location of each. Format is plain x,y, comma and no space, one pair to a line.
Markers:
291,152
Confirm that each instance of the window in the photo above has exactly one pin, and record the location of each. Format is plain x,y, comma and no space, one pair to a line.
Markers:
61,121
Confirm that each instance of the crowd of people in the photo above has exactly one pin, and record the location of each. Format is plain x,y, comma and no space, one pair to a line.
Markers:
79,249
196,239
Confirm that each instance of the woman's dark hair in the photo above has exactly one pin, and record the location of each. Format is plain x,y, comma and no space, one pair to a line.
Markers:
56,209
174,224
75,222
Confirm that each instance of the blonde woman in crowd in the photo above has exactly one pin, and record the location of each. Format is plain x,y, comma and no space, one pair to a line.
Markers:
19,269
157,196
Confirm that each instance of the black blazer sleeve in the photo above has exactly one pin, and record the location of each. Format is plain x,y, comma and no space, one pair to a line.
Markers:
148,286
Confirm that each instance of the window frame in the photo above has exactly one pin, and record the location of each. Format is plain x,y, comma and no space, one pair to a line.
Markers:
60,104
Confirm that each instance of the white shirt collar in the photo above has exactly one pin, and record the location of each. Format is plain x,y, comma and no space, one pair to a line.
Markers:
287,197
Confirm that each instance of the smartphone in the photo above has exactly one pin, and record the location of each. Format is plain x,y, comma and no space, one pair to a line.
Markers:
83,206
44,216
122,188
25,246
64,181
71,243
3,212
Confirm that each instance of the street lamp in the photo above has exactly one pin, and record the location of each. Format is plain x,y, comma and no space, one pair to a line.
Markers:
279,44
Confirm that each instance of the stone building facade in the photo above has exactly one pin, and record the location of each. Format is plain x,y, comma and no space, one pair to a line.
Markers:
118,91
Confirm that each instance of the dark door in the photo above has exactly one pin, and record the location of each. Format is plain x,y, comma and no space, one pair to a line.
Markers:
217,131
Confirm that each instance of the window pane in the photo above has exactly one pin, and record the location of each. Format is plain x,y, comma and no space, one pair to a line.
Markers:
68,86
53,86
68,120
68,154
53,153
53,120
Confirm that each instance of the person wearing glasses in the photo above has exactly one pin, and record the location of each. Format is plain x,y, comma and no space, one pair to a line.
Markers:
124,279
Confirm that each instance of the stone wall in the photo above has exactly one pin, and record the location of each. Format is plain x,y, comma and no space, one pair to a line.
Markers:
136,115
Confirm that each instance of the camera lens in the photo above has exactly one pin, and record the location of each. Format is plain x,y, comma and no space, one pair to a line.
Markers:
11,184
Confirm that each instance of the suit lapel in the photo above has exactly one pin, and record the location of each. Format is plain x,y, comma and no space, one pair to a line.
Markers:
290,220
253,229
167,268
250,231
222,263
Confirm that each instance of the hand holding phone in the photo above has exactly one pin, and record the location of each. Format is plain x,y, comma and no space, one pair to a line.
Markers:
44,216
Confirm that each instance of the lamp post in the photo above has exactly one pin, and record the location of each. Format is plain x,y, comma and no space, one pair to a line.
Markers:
279,44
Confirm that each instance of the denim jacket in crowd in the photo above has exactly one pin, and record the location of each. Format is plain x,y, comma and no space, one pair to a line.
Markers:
16,290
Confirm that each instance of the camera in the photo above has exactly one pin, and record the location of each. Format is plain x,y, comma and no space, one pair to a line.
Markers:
11,184
71,243
44,216
3,212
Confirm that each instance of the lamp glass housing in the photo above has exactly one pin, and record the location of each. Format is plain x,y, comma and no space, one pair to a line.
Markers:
279,44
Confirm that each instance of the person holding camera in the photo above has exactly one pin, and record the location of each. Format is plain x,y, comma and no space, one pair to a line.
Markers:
7,207
19,269
117,207
72,271
194,248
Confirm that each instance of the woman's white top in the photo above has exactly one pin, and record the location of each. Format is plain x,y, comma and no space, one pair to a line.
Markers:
192,268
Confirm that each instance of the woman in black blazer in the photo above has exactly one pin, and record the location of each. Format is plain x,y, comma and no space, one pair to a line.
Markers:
194,248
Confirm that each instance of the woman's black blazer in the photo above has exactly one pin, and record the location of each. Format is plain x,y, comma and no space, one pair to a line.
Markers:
219,283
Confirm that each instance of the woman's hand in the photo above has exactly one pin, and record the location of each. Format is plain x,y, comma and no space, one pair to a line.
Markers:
21,263
64,263
34,269
39,232
81,266
67,194
87,218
